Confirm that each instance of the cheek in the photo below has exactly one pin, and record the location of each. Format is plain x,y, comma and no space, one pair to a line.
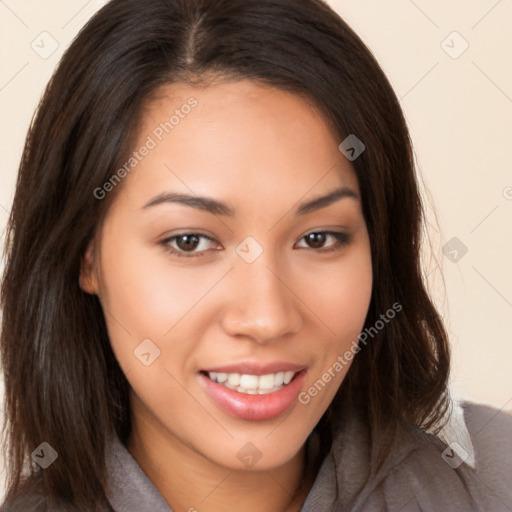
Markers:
146,297
145,292
353,293
339,295
340,301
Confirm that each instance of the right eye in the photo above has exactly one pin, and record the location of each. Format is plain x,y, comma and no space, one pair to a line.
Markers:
187,244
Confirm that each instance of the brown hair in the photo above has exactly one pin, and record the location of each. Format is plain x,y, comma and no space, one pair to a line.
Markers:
63,384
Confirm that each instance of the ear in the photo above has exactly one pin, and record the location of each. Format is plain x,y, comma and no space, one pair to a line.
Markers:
88,279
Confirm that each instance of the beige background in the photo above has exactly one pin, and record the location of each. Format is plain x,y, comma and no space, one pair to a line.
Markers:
459,109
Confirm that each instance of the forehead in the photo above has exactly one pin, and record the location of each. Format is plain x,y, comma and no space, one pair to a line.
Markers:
234,138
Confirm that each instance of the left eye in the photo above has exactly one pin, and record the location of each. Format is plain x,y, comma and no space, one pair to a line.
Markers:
319,239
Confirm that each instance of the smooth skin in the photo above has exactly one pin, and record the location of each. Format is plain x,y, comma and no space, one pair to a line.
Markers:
262,152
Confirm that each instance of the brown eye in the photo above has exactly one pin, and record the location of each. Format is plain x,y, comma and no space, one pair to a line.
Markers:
316,240
187,242
324,240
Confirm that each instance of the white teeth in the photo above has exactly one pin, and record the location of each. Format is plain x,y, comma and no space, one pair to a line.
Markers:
222,377
253,384
249,381
279,379
233,379
267,381
288,376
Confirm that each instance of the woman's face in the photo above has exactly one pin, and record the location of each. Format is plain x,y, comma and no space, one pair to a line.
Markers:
236,251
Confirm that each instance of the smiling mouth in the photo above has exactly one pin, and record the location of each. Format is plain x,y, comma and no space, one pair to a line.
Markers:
252,384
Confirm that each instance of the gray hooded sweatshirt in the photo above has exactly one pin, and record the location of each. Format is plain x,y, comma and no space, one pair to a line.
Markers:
471,470
466,468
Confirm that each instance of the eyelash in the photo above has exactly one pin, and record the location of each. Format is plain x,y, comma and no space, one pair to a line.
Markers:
343,239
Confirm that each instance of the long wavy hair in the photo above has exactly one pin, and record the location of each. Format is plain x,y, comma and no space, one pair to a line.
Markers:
62,381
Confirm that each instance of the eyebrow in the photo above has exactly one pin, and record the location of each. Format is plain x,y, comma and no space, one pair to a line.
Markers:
324,201
218,208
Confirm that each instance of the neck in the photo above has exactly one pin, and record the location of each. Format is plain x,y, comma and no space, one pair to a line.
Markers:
190,482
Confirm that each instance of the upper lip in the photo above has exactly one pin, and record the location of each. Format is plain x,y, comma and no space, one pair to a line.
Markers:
257,368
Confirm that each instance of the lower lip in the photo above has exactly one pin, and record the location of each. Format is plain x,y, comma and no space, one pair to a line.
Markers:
254,407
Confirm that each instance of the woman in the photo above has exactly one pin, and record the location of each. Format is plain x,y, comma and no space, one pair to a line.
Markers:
213,298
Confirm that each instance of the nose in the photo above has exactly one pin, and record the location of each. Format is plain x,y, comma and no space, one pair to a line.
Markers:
260,303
